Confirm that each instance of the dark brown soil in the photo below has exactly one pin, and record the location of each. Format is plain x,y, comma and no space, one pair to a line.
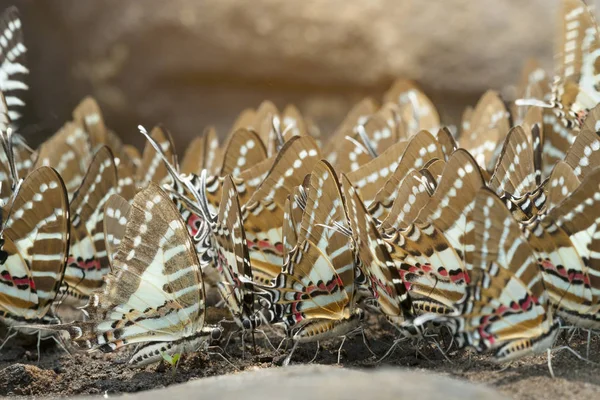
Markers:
60,374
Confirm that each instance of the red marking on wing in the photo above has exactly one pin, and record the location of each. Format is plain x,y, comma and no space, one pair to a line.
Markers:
194,222
85,265
18,281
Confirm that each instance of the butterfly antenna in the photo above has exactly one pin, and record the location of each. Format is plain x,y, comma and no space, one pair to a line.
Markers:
302,198
358,144
533,102
177,178
276,125
368,144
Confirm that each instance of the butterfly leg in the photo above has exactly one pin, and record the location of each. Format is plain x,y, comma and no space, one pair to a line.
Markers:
59,342
254,342
266,338
575,353
573,330
287,360
316,353
550,363
366,341
284,340
340,349
439,347
391,349
216,353
589,339
9,336
39,340
243,346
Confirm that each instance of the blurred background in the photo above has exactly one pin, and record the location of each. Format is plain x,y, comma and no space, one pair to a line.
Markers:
193,63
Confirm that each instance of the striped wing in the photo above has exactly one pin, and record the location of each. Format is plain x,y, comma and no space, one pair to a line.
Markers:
13,68
558,138
568,250
88,260
412,197
155,292
422,148
36,243
292,218
116,214
317,283
370,177
384,280
263,125
515,172
452,201
575,89
516,178
436,243
506,307
233,259
263,212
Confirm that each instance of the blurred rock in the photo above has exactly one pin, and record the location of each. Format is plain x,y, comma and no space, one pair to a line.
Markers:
190,63
320,382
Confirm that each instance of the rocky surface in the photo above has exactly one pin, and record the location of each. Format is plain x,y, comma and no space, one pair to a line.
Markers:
191,63
320,382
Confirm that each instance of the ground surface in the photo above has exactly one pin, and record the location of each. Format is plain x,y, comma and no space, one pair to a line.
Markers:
58,374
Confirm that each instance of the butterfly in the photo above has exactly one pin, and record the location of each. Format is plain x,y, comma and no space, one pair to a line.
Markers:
34,247
505,309
376,265
430,250
575,89
13,67
88,262
567,249
154,295
231,255
517,176
263,212
183,188
315,294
